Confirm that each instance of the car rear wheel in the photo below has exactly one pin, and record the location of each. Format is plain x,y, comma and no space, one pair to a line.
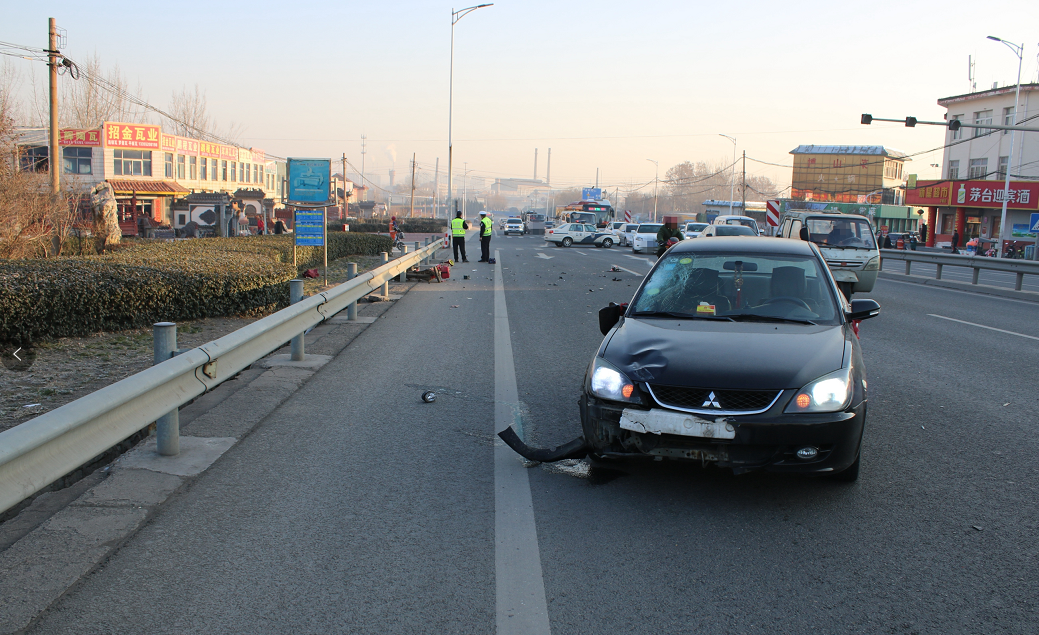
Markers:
568,241
607,242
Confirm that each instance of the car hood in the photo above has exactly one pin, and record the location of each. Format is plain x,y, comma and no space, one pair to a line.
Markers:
734,355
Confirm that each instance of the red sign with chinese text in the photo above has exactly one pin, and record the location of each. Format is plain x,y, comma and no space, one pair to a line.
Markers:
132,135
930,193
76,137
1022,195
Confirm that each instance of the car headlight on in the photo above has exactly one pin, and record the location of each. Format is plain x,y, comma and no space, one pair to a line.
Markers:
829,393
609,383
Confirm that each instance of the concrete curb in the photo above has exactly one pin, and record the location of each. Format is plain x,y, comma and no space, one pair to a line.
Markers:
67,543
1027,296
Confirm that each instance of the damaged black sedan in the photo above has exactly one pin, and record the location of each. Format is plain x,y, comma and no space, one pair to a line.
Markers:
739,352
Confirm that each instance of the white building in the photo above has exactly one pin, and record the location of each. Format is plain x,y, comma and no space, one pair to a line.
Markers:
969,197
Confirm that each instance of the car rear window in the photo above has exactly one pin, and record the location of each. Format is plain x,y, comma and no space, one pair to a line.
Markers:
739,284
733,230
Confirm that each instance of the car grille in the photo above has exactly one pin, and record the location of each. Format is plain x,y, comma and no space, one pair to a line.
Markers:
845,263
686,398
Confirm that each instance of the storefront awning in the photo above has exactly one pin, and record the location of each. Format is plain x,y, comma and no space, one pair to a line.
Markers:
148,188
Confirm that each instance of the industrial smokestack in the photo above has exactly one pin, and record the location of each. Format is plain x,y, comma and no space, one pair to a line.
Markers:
548,169
393,174
535,164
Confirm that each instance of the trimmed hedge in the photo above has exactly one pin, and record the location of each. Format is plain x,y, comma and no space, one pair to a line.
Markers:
407,225
147,282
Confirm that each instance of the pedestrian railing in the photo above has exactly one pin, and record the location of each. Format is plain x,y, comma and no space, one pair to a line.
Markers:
1018,267
42,450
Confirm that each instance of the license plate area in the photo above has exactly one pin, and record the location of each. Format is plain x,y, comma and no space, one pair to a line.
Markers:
657,421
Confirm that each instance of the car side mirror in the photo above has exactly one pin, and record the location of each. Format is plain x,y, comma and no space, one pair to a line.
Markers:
609,316
861,309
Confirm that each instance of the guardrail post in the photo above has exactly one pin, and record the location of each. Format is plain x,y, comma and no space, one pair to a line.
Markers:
403,274
385,285
938,273
167,427
295,295
977,271
1017,282
351,273
909,263
418,246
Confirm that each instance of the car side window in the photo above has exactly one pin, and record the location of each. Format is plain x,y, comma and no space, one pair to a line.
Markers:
795,229
589,228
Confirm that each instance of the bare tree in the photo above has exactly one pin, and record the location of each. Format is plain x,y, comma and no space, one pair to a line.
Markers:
98,96
190,116
9,104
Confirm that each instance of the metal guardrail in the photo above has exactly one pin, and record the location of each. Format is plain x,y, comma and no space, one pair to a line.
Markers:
38,452
977,263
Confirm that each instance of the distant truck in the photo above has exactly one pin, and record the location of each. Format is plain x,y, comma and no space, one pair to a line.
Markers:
598,213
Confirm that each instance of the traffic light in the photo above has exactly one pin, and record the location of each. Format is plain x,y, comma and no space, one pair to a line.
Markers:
910,122
867,120
954,124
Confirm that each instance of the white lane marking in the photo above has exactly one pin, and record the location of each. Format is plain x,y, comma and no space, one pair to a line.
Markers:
645,260
542,255
520,605
519,248
634,273
580,252
982,326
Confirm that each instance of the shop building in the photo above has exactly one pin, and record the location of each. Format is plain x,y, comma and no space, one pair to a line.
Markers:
969,200
149,169
848,174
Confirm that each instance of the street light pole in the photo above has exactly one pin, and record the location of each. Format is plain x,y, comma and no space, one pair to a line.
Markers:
656,180
732,180
1019,52
455,17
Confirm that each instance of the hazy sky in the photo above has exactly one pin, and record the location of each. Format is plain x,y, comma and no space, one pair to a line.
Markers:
605,84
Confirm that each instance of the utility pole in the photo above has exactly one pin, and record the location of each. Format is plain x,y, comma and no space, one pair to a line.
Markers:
535,164
52,64
744,189
465,188
411,206
596,177
548,170
346,206
436,190
364,139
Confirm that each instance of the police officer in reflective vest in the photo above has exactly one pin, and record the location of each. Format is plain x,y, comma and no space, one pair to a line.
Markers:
458,227
486,225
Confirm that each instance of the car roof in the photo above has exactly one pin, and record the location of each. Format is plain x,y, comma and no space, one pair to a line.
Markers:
750,244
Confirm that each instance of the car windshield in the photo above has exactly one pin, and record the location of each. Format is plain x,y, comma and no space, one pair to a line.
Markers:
841,232
733,230
742,286
649,228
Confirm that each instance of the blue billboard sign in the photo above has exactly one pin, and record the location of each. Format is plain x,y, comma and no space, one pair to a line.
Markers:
309,180
1033,224
309,227
591,194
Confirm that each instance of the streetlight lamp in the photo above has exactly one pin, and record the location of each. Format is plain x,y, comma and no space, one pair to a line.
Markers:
732,180
1019,52
656,180
455,17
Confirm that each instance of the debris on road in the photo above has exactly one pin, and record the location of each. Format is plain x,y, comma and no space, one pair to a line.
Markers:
429,396
576,449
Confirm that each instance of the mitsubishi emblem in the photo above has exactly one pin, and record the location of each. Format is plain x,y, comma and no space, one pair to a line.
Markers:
712,402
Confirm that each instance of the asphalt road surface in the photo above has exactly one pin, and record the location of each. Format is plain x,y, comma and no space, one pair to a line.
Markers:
357,508
1003,279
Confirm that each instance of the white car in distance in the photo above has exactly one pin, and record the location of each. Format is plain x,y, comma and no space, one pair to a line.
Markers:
693,229
514,226
645,237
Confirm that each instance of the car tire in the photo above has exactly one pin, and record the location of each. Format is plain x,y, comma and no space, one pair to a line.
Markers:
568,241
851,473
607,243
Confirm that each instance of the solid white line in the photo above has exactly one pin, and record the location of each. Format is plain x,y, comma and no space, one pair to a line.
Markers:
982,326
645,260
520,605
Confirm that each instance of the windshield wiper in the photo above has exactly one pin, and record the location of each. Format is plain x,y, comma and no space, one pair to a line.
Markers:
680,315
754,317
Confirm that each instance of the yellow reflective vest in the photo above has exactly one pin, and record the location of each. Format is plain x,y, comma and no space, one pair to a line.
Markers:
457,227
487,225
